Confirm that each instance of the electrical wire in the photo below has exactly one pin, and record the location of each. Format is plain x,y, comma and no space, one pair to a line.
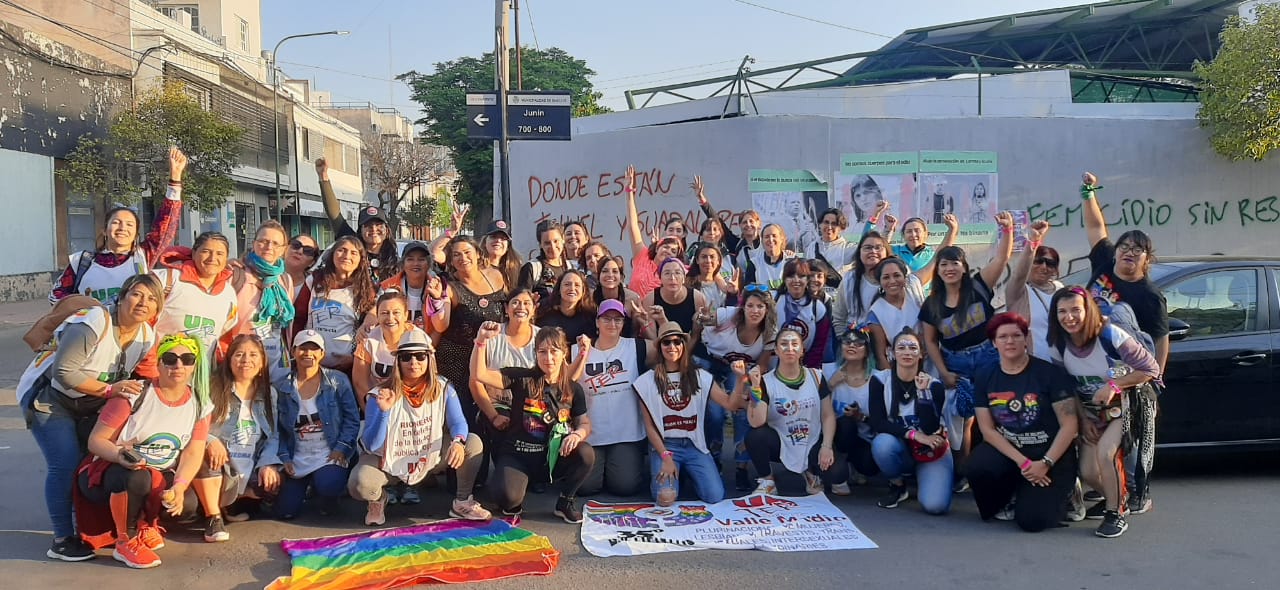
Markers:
528,9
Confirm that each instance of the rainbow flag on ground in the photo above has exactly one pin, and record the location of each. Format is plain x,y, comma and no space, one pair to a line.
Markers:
449,551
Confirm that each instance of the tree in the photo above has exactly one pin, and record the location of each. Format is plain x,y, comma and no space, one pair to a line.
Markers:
442,95
394,167
431,211
1240,95
130,161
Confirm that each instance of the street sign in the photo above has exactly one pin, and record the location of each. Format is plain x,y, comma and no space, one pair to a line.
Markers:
483,116
539,115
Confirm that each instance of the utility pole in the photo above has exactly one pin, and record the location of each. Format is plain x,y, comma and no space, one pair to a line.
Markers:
502,80
515,10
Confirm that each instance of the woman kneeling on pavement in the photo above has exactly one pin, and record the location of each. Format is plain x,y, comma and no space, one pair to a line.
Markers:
404,434
906,413
96,350
242,454
318,423
550,438
790,409
147,450
850,382
1106,362
676,395
1028,454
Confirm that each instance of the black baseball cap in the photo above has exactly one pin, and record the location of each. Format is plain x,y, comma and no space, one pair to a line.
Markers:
498,226
371,213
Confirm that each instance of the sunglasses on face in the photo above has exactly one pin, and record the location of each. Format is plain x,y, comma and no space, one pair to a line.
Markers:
856,343
1049,262
307,250
405,357
673,342
171,359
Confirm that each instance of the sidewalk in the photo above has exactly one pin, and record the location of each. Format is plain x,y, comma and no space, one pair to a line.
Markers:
22,313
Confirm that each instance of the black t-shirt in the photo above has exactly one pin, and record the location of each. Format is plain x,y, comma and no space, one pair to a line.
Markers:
1022,405
577,325
543,284
530,431
926,407
1146,300
958,331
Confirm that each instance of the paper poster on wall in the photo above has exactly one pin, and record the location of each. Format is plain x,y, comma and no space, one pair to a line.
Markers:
972,198
790,199
866,179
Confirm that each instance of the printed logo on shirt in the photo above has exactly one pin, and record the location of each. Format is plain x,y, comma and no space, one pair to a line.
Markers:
959,323
673,399
686,423
308,424
1012,412
160,449
798,432
535,420
102,294
1103,288
600,375
198,327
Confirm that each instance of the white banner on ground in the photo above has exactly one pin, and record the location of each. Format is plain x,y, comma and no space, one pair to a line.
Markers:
767,523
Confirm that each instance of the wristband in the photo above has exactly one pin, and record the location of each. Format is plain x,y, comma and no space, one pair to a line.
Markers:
1025,464
757,394
1086,191
873,220
481,343
1114,388
448,233
1006,229
106,393
631,190
1033,246
667,454
181,482
911,435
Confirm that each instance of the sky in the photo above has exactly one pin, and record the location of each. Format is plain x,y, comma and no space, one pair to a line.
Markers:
629,45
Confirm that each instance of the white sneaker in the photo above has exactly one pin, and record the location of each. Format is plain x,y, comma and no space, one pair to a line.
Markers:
813,484
469,509
377,513
840,489
766,485
1077,511
1006,514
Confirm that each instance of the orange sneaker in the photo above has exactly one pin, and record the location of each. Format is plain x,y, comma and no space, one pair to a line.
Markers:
135,554
151,535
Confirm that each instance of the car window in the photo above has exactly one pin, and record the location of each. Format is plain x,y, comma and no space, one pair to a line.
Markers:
1216,303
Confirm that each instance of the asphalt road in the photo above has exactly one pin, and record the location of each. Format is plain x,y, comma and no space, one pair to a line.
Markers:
1214,526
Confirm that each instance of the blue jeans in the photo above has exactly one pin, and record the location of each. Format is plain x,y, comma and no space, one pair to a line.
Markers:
330,482
716,415
965,364
55,434
933,479
701,469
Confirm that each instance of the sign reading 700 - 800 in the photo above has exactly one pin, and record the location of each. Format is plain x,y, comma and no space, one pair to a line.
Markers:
529,115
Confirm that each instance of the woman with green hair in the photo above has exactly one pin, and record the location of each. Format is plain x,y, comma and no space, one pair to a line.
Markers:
147,450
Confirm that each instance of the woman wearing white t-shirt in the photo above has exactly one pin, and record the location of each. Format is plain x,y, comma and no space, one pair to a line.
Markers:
896,307
611,366
790,410
850,380
745,334
764,264
265,299
512,347
200,299
1032,283
337,297
375,357
676,394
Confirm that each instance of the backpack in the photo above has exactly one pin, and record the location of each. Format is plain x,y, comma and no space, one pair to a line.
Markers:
1121,315
82,265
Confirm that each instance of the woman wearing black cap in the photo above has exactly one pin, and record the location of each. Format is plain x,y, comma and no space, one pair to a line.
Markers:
496,250
378,244
415,265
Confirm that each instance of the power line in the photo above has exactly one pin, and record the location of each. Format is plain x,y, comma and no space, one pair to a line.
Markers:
528,9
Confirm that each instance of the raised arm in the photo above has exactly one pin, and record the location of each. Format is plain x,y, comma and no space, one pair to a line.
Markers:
332,209
1095,224
480,370
732,241
735,400
633,216
164,229
1004,248
1015,292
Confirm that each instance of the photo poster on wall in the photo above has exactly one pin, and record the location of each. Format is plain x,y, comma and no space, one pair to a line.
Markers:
866,179
790,199
960,183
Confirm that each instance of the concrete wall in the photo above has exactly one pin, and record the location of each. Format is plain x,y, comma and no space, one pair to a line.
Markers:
106,19
27,228
1161,176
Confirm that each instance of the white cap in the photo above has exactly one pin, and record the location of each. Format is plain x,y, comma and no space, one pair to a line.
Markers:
306,336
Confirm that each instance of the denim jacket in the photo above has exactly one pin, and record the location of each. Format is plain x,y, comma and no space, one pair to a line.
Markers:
268,449
338,411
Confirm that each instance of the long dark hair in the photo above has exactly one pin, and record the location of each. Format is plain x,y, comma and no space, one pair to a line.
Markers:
220,392
564,384
938,288
509,265
325,278
101,242
689,382
857,306
586,304
880,268
695,278
898,393
740,317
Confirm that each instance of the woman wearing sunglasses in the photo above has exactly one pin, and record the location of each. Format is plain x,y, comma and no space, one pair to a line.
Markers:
375,358
1032,283
1107,363
905,412
745,333
266,298
242,463
318,420
337,297
62,391
200,297
676,394
850,382
792,420
146,451
1028,420
414,429
799,310
302,256
897,306
548,439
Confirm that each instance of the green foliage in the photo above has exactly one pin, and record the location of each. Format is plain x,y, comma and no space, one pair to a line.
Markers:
1240,99
432,211
442,95
131,162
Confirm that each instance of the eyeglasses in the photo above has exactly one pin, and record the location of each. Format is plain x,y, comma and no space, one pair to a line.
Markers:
1127,248
872,248
274,245
305,249
756,288
673,342
1049,262
405,357
171,359
907,346
856,343
612,319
